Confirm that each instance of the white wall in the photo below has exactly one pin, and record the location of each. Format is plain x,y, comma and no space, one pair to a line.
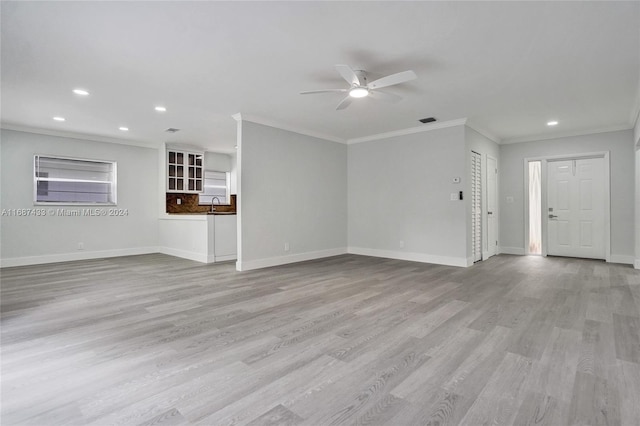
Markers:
291,190
217,161
486,148
399,190
27,240
636,138
620,146
637,207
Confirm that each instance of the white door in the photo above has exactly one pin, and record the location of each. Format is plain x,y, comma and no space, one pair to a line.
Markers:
492,212
576,208
476,206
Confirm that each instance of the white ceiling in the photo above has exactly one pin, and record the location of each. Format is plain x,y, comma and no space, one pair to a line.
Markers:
508,67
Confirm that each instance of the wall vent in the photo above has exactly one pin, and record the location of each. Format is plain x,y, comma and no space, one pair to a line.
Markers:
427,120
172,130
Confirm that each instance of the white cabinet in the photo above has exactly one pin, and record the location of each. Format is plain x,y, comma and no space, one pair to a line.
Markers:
225,240
185,171
203,238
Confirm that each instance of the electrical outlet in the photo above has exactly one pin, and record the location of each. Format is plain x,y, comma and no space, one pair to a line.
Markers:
401,244
80,246
179,201
286,246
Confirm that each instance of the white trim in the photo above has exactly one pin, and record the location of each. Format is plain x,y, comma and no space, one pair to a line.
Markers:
282,260
636,264
413,257
224,258
409,131
518,251
191,255
547,136
69,257
272,123
621,258
80,136
484,132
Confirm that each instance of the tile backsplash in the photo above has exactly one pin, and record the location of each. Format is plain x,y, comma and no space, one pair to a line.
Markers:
189,204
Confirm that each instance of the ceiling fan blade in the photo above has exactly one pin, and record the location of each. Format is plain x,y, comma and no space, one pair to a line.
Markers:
392,79
323,91
348,74
385,96
344,103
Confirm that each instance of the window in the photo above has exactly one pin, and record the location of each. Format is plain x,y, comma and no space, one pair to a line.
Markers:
535,207
60,180
216,184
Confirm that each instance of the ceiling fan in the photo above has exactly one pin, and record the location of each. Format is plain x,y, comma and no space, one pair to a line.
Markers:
360,88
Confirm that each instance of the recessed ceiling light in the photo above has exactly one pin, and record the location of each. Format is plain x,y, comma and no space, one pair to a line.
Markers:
161,109
59,118
124,129
80,92
552,123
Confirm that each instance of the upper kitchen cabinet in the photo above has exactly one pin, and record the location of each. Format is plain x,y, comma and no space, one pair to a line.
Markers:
184,171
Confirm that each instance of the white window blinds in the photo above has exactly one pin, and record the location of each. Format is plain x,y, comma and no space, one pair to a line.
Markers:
60,180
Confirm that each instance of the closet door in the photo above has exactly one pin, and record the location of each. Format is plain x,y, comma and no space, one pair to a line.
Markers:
476,205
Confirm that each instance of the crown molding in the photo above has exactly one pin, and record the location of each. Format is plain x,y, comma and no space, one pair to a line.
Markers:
81,136
409,131
484,133
548,136
273,123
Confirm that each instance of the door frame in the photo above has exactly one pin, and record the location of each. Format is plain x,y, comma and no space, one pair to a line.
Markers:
543,195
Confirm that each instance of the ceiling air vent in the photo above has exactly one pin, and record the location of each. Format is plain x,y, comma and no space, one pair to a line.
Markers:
172,130
427,120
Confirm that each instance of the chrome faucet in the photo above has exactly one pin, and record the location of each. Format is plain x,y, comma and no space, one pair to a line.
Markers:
213,208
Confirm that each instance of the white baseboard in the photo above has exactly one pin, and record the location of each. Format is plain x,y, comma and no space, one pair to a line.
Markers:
80,255
225,258
621,258
413,257
292,258
511,250
190,255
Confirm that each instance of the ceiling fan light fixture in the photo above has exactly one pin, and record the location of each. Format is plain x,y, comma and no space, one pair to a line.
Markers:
359,92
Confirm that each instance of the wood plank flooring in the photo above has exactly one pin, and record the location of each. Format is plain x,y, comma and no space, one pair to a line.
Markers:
157,340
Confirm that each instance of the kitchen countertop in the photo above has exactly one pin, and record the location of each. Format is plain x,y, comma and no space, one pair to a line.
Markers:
201,213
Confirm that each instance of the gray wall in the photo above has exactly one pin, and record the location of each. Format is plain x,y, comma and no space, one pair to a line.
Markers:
52,238
399,190
620,146
291,190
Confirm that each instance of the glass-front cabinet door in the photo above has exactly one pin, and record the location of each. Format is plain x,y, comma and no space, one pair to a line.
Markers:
184,171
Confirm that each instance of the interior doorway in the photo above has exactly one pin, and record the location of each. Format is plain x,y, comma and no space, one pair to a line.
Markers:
492,207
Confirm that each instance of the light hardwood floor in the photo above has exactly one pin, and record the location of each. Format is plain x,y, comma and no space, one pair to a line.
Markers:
156,340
